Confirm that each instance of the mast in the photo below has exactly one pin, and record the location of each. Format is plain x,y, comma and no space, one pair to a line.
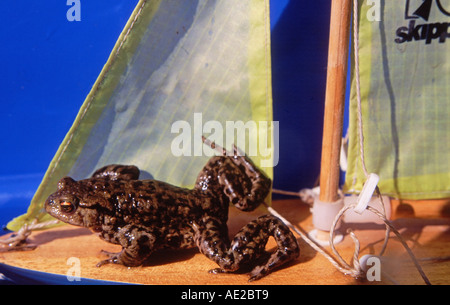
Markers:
335,99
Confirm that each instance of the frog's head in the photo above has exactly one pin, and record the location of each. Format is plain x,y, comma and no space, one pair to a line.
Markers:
72,204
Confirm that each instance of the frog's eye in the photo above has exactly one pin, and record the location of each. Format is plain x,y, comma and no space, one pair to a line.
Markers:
67,206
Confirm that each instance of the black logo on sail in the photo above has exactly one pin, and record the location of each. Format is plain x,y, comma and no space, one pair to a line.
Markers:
428,32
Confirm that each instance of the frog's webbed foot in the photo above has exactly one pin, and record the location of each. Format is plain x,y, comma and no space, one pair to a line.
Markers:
122,258
108,253
256,273
217,271
247,249
112,258
287,246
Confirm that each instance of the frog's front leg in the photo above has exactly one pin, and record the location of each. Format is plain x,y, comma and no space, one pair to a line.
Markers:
137,245
247,248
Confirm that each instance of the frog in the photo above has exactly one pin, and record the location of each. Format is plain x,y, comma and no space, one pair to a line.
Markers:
144,216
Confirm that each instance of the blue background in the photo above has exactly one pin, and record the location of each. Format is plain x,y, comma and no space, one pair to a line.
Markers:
48,65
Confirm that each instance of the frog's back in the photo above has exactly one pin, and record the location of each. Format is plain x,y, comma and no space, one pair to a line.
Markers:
147,200
161,208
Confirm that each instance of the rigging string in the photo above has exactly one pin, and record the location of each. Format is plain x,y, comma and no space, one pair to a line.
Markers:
17,241
382,214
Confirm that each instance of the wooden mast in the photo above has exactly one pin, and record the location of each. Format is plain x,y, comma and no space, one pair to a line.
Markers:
335,99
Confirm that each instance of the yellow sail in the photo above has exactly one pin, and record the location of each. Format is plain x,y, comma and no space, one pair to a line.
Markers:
404,60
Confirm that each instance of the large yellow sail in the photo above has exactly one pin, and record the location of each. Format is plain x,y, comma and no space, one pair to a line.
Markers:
404,60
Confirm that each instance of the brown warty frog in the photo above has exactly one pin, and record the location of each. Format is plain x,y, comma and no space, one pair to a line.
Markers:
146,215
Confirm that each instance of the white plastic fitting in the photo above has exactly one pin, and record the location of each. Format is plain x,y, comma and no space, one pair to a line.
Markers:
351,216
324,213
366,193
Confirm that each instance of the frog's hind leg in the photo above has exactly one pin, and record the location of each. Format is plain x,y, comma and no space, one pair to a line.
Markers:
249,188
244,183
248,246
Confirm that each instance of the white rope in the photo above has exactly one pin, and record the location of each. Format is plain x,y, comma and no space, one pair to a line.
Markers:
312,243
358,85
306,195
18,239
354,270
